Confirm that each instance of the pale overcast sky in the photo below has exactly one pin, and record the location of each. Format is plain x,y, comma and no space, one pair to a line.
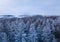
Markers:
29,7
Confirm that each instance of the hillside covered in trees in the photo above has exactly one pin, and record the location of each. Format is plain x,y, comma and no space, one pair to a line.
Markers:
30,29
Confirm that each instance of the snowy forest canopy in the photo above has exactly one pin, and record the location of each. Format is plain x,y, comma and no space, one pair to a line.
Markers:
30,29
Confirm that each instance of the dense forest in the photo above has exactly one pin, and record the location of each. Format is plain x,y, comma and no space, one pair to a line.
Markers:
30,29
